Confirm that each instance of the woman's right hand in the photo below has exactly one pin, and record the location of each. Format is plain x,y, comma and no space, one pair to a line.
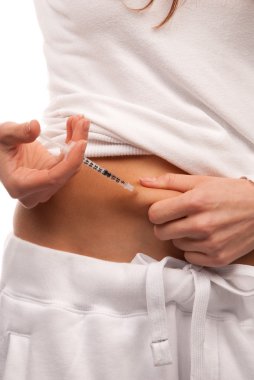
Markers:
28,171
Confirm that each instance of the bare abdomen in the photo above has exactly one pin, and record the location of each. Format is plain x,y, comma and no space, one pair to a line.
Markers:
93,216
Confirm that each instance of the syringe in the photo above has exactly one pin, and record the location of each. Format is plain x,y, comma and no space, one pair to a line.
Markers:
65,149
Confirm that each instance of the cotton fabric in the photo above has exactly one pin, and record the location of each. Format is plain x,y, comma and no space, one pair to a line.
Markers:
66,316
183,92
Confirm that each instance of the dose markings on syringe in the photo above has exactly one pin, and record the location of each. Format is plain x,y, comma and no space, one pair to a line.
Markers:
103,171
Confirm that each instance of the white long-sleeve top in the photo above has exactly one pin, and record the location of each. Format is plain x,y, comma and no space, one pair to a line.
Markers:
183,92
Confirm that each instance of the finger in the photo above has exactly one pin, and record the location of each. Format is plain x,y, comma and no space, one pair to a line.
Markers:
71,128
188,244
80,129
29,183
12,134
34,181
173,181
178,229
202,259
198,258
170,209
66,168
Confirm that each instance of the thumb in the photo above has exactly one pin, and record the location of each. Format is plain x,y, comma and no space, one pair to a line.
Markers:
12,134
173,181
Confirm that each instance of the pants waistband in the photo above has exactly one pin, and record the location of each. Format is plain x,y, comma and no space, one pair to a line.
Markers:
142,286
79,282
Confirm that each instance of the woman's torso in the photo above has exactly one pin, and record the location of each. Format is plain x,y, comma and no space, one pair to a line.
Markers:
93,216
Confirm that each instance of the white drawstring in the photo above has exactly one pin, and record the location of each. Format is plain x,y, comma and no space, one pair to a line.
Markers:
202,285
157,316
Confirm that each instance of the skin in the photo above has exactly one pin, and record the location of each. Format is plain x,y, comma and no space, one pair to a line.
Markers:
52,191
212,221
28,171
210,227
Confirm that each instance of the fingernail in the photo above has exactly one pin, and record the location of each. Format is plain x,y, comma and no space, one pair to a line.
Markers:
148,179
28,128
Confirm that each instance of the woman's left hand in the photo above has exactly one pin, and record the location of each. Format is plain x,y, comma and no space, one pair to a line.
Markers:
212,221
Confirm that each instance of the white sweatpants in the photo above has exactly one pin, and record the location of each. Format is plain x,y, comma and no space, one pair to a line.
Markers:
65,316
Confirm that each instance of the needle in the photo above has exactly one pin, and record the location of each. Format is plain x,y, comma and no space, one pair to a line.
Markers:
65,148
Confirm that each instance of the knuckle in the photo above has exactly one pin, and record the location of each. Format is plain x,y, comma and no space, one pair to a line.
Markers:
220,260
202,227
197,201
205,225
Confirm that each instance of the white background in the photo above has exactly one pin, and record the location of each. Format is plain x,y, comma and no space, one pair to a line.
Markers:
23,81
